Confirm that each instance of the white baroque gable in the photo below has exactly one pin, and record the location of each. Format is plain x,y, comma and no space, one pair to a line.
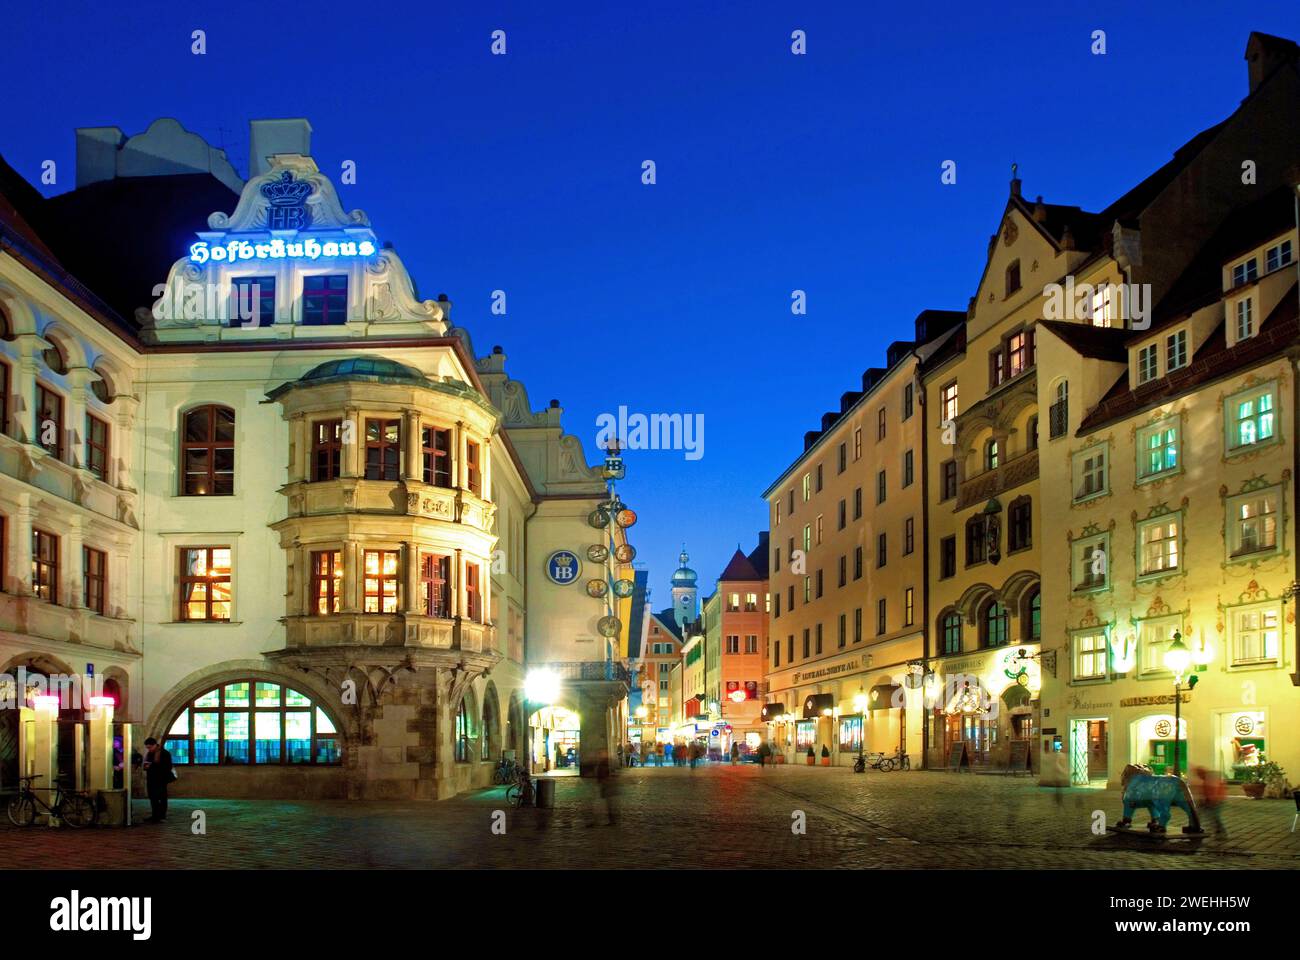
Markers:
289,223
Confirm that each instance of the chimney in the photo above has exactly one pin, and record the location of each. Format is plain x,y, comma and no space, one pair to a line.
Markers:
97,149
266,138
1040,211
1265,54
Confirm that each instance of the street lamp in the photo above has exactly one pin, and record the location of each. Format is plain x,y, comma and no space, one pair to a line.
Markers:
1178,658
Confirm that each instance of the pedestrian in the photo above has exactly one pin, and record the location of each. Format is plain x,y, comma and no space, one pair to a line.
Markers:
659,754
559,756
1211,795
119,764
735,752
763,751
158,775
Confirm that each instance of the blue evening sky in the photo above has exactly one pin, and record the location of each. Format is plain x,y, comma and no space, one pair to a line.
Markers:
775,172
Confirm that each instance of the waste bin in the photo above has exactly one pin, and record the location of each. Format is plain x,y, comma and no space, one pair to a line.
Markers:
545,793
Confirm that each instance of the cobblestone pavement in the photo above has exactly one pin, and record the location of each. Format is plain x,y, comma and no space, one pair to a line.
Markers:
717,816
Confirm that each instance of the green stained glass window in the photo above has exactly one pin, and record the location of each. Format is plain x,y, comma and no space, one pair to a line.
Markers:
235,736
207,738
253,722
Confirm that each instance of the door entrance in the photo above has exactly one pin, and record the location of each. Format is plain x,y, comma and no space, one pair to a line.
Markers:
1089,751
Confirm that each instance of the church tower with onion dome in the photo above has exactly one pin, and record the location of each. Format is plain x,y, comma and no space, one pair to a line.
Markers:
686,607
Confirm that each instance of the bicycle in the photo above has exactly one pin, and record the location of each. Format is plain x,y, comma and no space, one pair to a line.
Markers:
520,793
75,808
506,772
899,761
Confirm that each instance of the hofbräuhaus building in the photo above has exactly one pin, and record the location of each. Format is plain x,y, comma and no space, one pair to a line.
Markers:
270,500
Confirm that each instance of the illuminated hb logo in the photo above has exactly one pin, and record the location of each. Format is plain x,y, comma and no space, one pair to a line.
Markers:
562,567
288,202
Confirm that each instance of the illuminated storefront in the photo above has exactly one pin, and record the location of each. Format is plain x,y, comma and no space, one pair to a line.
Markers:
988,701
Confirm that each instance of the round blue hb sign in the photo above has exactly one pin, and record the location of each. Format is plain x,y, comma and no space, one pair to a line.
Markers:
563,567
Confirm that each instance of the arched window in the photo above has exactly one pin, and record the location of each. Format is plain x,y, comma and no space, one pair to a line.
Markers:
991,455
1059,413
994,625
6,331
1033,617
1013,277
463,732
252,721
101,388
950,630
208,452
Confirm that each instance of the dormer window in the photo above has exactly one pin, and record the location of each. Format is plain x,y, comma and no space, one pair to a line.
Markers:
1277,256
324,300
1013,277
1245,272
1244,325
1175,351
1148,363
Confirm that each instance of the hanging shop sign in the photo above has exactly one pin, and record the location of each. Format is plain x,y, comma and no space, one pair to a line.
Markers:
597,588
597,553
609,626
624,588
563,567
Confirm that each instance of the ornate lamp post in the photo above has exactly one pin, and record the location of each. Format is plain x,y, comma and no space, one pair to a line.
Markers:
1177,659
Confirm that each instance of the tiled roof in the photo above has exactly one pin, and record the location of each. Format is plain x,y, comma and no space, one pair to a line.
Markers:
739,569
1213,361
1096,343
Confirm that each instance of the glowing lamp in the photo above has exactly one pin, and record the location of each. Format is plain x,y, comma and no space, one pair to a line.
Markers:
46,702
642,712
1203,654
1177,657
860,703
102,701
541,686
826,712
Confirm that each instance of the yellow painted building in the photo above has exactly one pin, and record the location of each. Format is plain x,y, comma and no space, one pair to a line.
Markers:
847,573
1170,509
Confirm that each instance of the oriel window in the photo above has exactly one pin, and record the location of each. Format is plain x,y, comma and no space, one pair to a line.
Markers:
435,574
436,447
326,582
383,449
326,449
381,581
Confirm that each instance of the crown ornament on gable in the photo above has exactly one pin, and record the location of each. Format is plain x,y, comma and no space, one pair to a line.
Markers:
285,191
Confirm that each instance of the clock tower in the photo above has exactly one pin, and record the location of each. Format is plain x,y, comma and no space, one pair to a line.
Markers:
686,608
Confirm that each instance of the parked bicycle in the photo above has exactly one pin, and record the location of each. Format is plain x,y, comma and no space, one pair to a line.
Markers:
507,771
521,793
899,761
73,807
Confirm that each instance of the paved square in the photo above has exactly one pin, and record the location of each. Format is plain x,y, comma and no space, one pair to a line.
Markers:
714,816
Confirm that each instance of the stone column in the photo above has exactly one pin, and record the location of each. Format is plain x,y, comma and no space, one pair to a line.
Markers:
408,602
353,459
74,423
22,418
352,577
121,444
460,474
485,467
300,444
72,589
22,545
414,449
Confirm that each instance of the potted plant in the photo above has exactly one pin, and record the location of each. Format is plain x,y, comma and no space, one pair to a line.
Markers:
1260,777
826,756
812,757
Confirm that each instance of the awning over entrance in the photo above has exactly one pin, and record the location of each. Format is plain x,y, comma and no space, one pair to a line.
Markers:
816,704
773,710
881,696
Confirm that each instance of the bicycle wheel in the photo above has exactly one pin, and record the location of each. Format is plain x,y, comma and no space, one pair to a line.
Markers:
79,810
886,765
22,811
513,793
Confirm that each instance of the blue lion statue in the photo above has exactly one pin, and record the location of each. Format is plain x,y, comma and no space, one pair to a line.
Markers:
1158,795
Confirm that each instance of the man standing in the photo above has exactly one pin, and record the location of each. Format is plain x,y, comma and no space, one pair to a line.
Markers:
158,774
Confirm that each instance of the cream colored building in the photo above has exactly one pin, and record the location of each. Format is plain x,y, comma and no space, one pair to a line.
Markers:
314,546
847,627
1171,503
